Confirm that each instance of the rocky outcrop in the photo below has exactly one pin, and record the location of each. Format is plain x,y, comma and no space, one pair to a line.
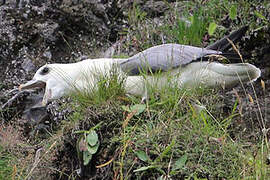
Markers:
53,31
35,32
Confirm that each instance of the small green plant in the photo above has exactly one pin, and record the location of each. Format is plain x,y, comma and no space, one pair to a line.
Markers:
193,32
233,12
136,15
257,163
106,86
88,144
211,29
6,170
137,108
177,165
259,15
190,29
265,21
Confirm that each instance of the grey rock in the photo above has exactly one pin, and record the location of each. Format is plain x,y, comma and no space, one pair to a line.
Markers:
11,3
111,51
91,13
155,8
48,54
48,30
28,65
2,2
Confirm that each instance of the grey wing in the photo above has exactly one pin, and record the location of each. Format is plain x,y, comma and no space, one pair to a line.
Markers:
163,58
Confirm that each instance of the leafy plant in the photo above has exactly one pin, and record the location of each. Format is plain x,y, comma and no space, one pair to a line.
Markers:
137,108
88,144
179,164
192,33
257,162
136,15
233,12
265,21
189,29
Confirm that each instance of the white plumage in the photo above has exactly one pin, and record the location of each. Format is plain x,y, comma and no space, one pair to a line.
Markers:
62,79
181,64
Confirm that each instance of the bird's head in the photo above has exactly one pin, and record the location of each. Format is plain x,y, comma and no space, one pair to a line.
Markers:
53,78
61,79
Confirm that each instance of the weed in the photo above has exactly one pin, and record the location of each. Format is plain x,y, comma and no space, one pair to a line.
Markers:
136,15
88,144
6,170
110,85
191,30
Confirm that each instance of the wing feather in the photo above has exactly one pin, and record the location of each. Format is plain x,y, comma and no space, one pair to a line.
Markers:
164,57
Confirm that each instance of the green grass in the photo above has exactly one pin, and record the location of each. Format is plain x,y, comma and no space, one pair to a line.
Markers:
6,170
107,86
188,23
188,29
168,130
168,135
170,127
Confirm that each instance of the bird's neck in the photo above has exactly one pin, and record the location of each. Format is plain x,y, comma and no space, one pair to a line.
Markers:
85,74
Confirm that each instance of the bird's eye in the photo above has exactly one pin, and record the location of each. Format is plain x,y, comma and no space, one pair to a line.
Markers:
44,71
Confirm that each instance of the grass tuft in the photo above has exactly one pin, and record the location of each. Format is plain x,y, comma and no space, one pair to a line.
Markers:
6,169
107,86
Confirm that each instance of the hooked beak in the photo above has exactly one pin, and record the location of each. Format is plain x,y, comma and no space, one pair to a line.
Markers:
37,84
32,84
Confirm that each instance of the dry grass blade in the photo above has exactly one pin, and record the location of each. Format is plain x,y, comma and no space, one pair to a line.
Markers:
129,116
105,164
250,99
254,91
14,172
37,160
235,48
263,85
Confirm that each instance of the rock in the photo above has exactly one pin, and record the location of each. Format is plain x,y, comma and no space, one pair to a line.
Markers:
36,116
28,65
52,31
48,30
88,14
110,52
11,3
155,8
47,54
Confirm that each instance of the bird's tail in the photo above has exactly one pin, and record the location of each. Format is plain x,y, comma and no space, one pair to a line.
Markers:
232,74
223,44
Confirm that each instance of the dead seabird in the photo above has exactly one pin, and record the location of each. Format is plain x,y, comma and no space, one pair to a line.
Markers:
183,63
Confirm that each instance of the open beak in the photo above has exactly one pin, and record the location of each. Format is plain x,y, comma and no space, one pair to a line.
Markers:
32,84
37,84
